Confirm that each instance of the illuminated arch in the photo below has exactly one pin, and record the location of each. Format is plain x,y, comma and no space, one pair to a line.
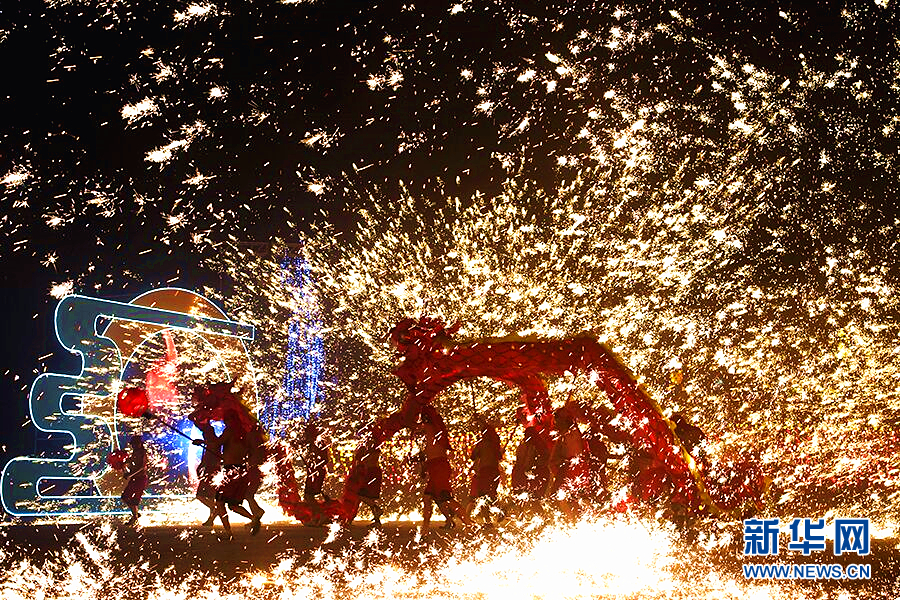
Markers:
101,332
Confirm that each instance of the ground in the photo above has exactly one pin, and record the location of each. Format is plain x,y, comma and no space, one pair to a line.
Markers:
172,554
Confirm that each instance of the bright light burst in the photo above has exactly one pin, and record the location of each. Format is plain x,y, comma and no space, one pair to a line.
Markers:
591,559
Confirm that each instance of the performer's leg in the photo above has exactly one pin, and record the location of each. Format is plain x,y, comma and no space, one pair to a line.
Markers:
317,519
479,508
223,516
452,509
476,509
457,511
255,508
376,510
131,496
448,515
250,496
134,514
211,505
569,506
427,509
238,508
257,513
496,510
470,508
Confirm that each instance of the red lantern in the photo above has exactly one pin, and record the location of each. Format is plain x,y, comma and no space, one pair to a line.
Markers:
133,402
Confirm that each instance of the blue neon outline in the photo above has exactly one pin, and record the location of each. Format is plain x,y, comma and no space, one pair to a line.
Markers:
75,447
250,329
76,378
113,430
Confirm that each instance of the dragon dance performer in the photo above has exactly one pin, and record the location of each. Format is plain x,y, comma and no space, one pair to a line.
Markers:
568,463
437,472
241,449
597,455
236,481
256,456
365,476
136,477
209,467
600,433
486,456
531,469
318,463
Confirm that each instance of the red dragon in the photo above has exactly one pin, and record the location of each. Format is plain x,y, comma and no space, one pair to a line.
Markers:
430,361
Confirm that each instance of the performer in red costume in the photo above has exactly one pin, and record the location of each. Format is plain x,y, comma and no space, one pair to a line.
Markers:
235,483
438,473
136,477
240,449
365,477
531,471
318,463
256,456
209,467
600,433
486,456
568,463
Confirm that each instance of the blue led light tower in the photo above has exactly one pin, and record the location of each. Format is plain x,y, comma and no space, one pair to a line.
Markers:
305,351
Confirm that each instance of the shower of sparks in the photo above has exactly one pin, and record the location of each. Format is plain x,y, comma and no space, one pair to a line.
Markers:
634,560
15,177
138,111
639,175
61,290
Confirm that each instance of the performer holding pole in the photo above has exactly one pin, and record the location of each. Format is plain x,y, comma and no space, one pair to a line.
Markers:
486,456
209,467
365,475
438,473
531,470
234,485
567,463
256,456
136,477
318,462
240,448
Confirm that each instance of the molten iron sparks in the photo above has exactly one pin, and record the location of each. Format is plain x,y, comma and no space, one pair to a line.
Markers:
595,558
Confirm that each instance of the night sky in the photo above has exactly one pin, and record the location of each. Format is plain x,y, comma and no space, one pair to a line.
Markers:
136,136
